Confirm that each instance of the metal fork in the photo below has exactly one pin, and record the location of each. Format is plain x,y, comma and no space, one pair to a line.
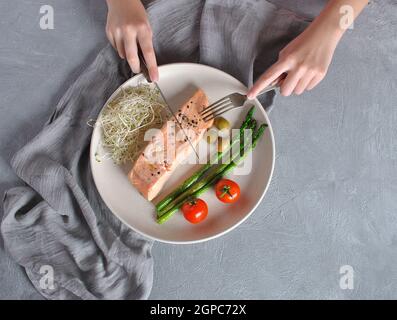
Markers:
232,101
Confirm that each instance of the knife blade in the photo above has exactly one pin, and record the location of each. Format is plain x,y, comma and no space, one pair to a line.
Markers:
145,72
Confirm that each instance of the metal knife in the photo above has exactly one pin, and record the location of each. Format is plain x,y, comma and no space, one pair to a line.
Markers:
145,72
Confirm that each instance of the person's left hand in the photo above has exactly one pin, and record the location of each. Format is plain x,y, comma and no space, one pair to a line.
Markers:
305,60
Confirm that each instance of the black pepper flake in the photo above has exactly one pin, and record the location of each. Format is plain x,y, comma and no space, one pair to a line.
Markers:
158,172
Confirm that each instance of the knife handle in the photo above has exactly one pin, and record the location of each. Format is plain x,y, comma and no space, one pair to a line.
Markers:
144,69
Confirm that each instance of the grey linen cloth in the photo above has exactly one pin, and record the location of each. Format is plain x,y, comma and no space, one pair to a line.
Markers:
56,225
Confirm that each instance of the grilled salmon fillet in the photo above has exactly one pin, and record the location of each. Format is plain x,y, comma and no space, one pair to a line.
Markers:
169,146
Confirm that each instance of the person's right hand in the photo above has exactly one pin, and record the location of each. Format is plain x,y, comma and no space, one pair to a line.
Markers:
127,27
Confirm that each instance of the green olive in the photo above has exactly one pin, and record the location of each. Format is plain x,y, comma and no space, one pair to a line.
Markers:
221,123
223,143
211,136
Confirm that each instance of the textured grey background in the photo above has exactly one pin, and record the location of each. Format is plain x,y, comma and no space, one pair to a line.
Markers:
333,198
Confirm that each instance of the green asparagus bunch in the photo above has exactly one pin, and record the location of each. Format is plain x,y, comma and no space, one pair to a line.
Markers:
209,174
196,176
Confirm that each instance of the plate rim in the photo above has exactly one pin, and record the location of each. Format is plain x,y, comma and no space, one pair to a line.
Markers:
92,158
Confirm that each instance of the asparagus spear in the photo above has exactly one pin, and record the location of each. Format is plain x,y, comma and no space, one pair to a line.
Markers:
209,182
251,124
196,176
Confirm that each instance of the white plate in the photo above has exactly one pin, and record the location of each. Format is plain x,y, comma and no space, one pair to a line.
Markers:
178,82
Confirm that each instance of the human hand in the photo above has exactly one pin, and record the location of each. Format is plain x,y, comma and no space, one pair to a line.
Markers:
305,60
127,27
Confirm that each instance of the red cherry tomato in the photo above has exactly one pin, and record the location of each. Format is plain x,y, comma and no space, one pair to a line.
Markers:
195,210
227,191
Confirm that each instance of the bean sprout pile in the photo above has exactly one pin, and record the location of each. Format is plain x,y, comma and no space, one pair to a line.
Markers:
124,119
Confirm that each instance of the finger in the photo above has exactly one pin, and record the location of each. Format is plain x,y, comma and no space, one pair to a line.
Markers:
111,39
290,82
146,44
315,81
118,39
303,83
131,52
267,78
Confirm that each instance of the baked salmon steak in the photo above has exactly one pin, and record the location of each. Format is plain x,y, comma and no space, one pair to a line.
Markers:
169,147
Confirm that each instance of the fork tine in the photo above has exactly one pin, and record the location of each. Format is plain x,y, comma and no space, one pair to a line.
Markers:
218,112
213,105
216,108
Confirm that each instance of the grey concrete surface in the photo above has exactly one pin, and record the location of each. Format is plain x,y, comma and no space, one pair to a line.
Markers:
333,198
